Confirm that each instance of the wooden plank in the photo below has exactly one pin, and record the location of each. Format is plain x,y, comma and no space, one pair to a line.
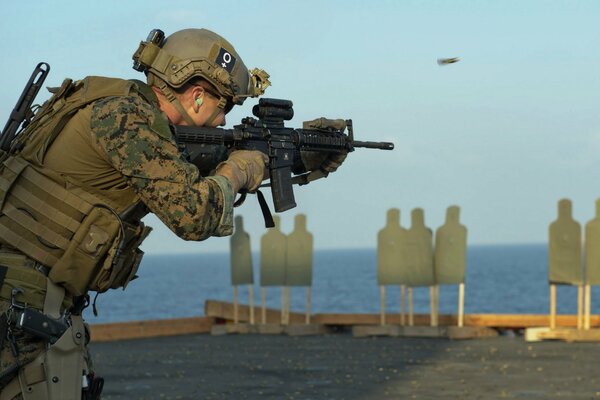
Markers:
251,300
552,306
517,321
580,307
536,334
461,305
224,310
505,321
374,319
308,303
587,307
382,304
152,328
402,305
565,334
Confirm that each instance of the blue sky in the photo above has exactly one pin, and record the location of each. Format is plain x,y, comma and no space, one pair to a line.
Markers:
505,133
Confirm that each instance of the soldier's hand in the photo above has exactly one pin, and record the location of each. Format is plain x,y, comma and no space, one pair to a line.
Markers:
245,169
326,162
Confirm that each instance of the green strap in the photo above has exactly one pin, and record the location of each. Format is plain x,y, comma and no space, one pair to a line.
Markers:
40,230
55,295
27,247
18,166
38,205
57,191
212,116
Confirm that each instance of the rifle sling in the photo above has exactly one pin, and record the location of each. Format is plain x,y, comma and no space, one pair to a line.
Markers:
264,207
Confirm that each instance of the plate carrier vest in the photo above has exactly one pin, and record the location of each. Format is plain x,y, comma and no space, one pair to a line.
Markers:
75,231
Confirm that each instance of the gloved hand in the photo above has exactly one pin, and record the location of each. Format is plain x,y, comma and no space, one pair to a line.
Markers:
245,169
326,162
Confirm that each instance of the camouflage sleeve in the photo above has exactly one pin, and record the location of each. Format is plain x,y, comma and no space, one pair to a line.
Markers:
138,143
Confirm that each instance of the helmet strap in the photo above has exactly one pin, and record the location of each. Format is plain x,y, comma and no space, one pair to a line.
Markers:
212,116
172,98
220,106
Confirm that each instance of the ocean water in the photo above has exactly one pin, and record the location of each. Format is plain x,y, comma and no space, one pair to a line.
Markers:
499,279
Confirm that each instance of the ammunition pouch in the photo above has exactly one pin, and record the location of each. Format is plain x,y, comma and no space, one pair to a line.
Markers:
83,241
123,260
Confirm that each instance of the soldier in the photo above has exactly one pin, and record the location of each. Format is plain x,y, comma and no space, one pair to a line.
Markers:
96,158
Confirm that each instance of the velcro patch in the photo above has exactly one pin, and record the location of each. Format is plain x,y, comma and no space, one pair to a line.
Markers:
226,60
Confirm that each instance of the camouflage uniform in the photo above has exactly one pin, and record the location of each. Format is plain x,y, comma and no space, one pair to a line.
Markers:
122,148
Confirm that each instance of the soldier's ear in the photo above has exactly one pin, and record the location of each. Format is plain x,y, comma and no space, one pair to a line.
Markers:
197,91
196,96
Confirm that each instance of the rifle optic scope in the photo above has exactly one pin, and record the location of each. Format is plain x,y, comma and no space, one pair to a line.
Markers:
274,109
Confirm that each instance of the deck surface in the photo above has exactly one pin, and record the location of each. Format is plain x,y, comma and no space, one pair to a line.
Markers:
340,367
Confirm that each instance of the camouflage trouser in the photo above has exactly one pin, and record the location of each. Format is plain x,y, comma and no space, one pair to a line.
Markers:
29,348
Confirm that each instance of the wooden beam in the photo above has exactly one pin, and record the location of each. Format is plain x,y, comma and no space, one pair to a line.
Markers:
224,310
374,319
565,334
517,321
148,329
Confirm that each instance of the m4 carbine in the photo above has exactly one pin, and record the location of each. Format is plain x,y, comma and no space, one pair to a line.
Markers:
267,134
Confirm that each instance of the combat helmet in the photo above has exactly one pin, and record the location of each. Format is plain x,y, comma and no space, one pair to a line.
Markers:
198,53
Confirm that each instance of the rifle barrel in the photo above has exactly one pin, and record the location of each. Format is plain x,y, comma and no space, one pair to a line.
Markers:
374,145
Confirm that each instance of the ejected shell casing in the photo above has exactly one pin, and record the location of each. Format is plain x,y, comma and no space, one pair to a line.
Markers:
446,61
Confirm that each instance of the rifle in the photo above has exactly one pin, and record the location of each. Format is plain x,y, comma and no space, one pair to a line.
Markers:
22,113
268,135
